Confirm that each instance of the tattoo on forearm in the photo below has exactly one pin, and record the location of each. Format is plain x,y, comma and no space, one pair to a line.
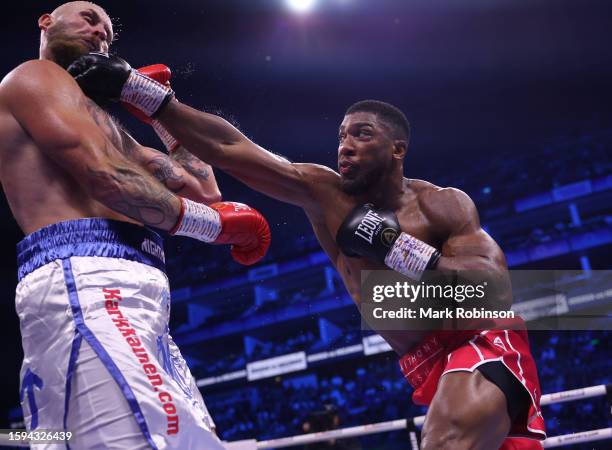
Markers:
128,190
131,193
165,170
191,164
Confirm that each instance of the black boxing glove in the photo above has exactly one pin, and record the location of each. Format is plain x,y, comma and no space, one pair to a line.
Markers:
376,234
108,77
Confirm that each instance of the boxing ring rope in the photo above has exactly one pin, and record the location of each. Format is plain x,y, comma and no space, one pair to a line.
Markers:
417,422
413,423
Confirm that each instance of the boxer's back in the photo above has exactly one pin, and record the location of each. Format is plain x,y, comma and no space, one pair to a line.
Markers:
39,191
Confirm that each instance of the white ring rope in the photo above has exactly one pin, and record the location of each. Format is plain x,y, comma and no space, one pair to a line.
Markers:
574,394
577,438
402,424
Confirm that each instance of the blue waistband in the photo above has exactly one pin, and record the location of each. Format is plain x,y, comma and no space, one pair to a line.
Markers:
89,237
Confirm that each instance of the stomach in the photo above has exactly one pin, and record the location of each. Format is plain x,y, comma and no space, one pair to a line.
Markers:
32,216
401,341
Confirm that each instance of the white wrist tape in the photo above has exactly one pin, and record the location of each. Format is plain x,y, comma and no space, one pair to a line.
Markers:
409,256
144,93
167,139
198,221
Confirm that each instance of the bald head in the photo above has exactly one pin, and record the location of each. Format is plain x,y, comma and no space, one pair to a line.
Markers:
72,6
74,29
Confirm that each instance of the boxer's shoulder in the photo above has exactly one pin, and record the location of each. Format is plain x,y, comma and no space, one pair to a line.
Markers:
420,187
321,186
436,196
36,76
35,68
447,206
18,90
36,89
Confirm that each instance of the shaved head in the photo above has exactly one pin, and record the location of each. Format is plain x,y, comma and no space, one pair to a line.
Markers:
76,6
74,29
71,6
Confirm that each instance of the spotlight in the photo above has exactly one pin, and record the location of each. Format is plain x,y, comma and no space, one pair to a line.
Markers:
301,6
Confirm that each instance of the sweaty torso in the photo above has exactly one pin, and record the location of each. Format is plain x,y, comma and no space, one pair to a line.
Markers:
38,190
334,207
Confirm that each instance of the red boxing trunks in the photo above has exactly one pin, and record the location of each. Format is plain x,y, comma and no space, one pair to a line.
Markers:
451,351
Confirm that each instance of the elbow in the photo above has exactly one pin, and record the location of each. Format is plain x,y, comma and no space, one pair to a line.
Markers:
498,282
484,264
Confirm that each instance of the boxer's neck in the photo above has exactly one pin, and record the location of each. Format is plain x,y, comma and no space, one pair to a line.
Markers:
387,192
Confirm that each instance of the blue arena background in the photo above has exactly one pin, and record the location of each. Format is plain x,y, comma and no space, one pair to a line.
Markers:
508,100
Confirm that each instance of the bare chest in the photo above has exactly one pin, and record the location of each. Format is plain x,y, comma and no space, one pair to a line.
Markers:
38,188
412,221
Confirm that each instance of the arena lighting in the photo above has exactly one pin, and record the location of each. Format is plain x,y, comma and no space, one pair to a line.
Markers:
301,6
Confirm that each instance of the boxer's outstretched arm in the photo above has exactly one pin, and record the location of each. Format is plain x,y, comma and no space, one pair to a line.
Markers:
51,108
216,141
468,249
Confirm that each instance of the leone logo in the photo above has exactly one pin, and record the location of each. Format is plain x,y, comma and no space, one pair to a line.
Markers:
388,236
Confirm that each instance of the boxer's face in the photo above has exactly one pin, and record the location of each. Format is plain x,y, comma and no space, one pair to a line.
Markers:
73,30
365,152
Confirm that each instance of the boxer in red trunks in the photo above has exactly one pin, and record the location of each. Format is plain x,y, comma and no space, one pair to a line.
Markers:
481,386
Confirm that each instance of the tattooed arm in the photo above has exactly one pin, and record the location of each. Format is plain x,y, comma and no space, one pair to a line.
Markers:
48,104
201,171
182,173
194,180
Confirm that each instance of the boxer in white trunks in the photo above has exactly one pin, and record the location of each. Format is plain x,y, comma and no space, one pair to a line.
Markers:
93,299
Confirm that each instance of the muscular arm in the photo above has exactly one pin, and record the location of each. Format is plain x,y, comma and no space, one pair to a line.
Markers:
51,108
183,173
216,141
200,171
468,249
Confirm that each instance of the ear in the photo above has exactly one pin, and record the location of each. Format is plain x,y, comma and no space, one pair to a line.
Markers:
399,148
45,21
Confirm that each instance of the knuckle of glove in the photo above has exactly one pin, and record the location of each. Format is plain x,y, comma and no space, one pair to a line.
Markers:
100,75
367,232
243,257
246,229
247,257
77,68
264,234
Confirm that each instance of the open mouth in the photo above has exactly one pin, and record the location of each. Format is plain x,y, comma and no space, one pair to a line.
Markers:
346,168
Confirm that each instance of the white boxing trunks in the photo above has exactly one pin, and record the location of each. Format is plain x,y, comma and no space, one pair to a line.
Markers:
94,303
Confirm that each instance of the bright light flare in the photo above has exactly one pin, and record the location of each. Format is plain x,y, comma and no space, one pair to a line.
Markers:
301,6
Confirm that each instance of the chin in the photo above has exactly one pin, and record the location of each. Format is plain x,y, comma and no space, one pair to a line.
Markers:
355,186
364,183
65,52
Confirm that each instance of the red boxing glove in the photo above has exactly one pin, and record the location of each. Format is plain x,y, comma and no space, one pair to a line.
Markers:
226,223
158,72
245,229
